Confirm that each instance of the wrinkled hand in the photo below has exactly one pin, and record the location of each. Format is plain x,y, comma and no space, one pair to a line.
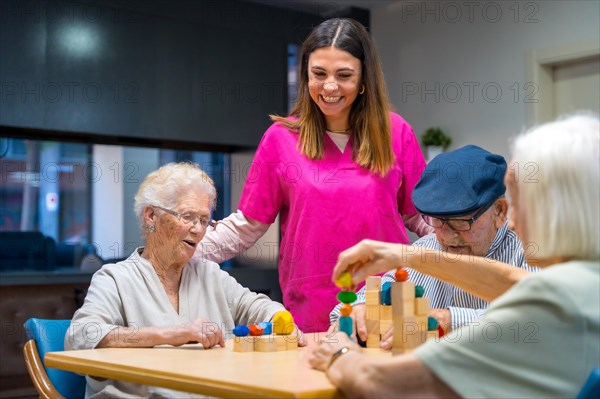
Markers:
320,357
442,316
370,257
205,332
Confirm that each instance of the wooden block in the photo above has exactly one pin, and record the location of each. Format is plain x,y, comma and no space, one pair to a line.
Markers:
386,293
385,312
422,323
372,297
415,339
243,344
385,325
270,343
373,283
372,312
403,298
283,323
291,342
422,306
373,327
346,324
402,326
407,334
373,340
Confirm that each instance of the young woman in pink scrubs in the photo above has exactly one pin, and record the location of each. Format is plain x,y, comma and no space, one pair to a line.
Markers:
340,168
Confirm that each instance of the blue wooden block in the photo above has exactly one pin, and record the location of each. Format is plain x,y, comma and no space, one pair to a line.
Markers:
267,327
346,325
386,293
241,331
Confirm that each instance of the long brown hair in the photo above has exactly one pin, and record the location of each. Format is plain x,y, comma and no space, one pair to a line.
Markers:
369,116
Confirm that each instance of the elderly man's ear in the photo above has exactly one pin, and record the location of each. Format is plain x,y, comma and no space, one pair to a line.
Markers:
500,212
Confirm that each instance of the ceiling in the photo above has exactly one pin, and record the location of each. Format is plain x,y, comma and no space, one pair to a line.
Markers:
325,7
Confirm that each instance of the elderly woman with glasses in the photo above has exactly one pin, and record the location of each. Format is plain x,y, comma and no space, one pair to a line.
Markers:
160,295
461,195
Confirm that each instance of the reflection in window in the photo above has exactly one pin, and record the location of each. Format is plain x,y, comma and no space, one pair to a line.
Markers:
47,191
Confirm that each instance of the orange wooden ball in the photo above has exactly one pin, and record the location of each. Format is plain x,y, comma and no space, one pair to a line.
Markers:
401,275
346,309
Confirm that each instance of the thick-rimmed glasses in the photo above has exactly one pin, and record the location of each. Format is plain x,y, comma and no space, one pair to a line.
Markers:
455,224
189,217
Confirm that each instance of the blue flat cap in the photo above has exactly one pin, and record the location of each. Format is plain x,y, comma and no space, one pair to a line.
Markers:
459,182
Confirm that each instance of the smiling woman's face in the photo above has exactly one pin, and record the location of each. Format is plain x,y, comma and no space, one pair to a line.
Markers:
334,78
174,235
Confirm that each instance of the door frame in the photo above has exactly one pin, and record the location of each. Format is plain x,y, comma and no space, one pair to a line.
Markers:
539,65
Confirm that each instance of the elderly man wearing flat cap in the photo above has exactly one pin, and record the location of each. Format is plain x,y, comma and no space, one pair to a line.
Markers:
461,195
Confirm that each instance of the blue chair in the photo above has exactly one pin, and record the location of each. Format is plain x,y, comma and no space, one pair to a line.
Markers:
591,388
48,336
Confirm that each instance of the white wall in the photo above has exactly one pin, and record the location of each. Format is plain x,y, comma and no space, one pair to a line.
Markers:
473,44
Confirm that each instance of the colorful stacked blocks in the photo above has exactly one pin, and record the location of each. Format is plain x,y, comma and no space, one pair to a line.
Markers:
402,305
266,336
346,296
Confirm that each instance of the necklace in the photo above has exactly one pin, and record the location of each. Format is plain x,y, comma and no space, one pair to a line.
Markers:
338,131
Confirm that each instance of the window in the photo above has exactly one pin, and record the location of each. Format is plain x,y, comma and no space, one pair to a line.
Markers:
78,198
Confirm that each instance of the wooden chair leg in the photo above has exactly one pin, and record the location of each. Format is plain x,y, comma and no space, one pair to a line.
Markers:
37,372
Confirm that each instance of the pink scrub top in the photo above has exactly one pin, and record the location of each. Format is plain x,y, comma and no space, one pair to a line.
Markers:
327,206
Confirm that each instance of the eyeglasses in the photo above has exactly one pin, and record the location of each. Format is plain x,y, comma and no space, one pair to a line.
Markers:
455,224
189,217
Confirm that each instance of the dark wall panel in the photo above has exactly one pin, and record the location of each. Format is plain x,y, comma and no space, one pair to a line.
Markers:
197,72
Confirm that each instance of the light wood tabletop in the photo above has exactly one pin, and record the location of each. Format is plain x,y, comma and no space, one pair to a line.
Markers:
215,372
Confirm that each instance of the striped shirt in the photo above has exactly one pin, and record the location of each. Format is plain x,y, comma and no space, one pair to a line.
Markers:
464,307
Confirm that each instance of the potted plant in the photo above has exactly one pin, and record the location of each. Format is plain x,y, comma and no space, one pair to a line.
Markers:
435,141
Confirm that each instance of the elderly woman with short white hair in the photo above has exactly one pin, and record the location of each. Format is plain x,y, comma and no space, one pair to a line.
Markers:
541,338
160,295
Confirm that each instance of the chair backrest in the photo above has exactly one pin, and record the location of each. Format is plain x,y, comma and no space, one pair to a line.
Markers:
49,336
591,388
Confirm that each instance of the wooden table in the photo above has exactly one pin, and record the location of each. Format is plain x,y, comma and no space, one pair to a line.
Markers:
216,372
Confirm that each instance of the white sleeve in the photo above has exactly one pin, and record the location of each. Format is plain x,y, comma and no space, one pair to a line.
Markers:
417,225
232,235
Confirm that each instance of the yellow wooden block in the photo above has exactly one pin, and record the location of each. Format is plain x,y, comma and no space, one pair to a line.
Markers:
373,283
385,312
270,343
372,297
344,280
244,344
422,323
372,312
283,323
